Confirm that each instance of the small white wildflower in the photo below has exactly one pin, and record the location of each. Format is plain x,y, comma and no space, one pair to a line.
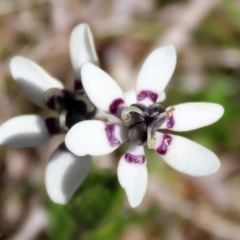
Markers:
140,119
65,171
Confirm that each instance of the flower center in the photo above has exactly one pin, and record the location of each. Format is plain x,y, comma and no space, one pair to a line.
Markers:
72,106
143,122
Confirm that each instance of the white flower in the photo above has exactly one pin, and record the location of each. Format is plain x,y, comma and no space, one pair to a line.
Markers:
65,171
140,124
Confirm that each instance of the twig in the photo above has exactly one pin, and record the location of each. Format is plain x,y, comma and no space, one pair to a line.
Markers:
186,20
36,222
9,10
201,216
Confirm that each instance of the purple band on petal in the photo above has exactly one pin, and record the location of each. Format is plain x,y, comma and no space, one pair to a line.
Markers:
167,139
51,101
78,85
115,105
52,125
113,141
134,159
170,122
147,94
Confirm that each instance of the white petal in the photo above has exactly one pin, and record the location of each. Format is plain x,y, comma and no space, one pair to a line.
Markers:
95,138
185,155
155,74
64,174
162,97
32,79
130,97
189,116
102,90
132,174
82,48
24,131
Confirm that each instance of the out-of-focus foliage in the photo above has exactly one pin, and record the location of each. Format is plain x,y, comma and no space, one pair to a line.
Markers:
95,204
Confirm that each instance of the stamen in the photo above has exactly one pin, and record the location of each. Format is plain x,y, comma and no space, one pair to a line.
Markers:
170,111
126,117
150,138
50,92
62,120
166,113
151,131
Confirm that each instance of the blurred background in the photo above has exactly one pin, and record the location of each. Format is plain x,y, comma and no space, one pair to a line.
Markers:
206,34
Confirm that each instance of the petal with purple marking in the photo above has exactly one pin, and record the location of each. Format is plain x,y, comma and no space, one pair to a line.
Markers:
24,131
190,116
161,97
65,172
132,174
32,79
82,48
95,138
102,90
155,74
185,155
130,97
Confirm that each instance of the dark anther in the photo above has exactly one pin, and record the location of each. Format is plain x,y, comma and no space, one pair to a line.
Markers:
138,133
73,106
155,109
73,117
